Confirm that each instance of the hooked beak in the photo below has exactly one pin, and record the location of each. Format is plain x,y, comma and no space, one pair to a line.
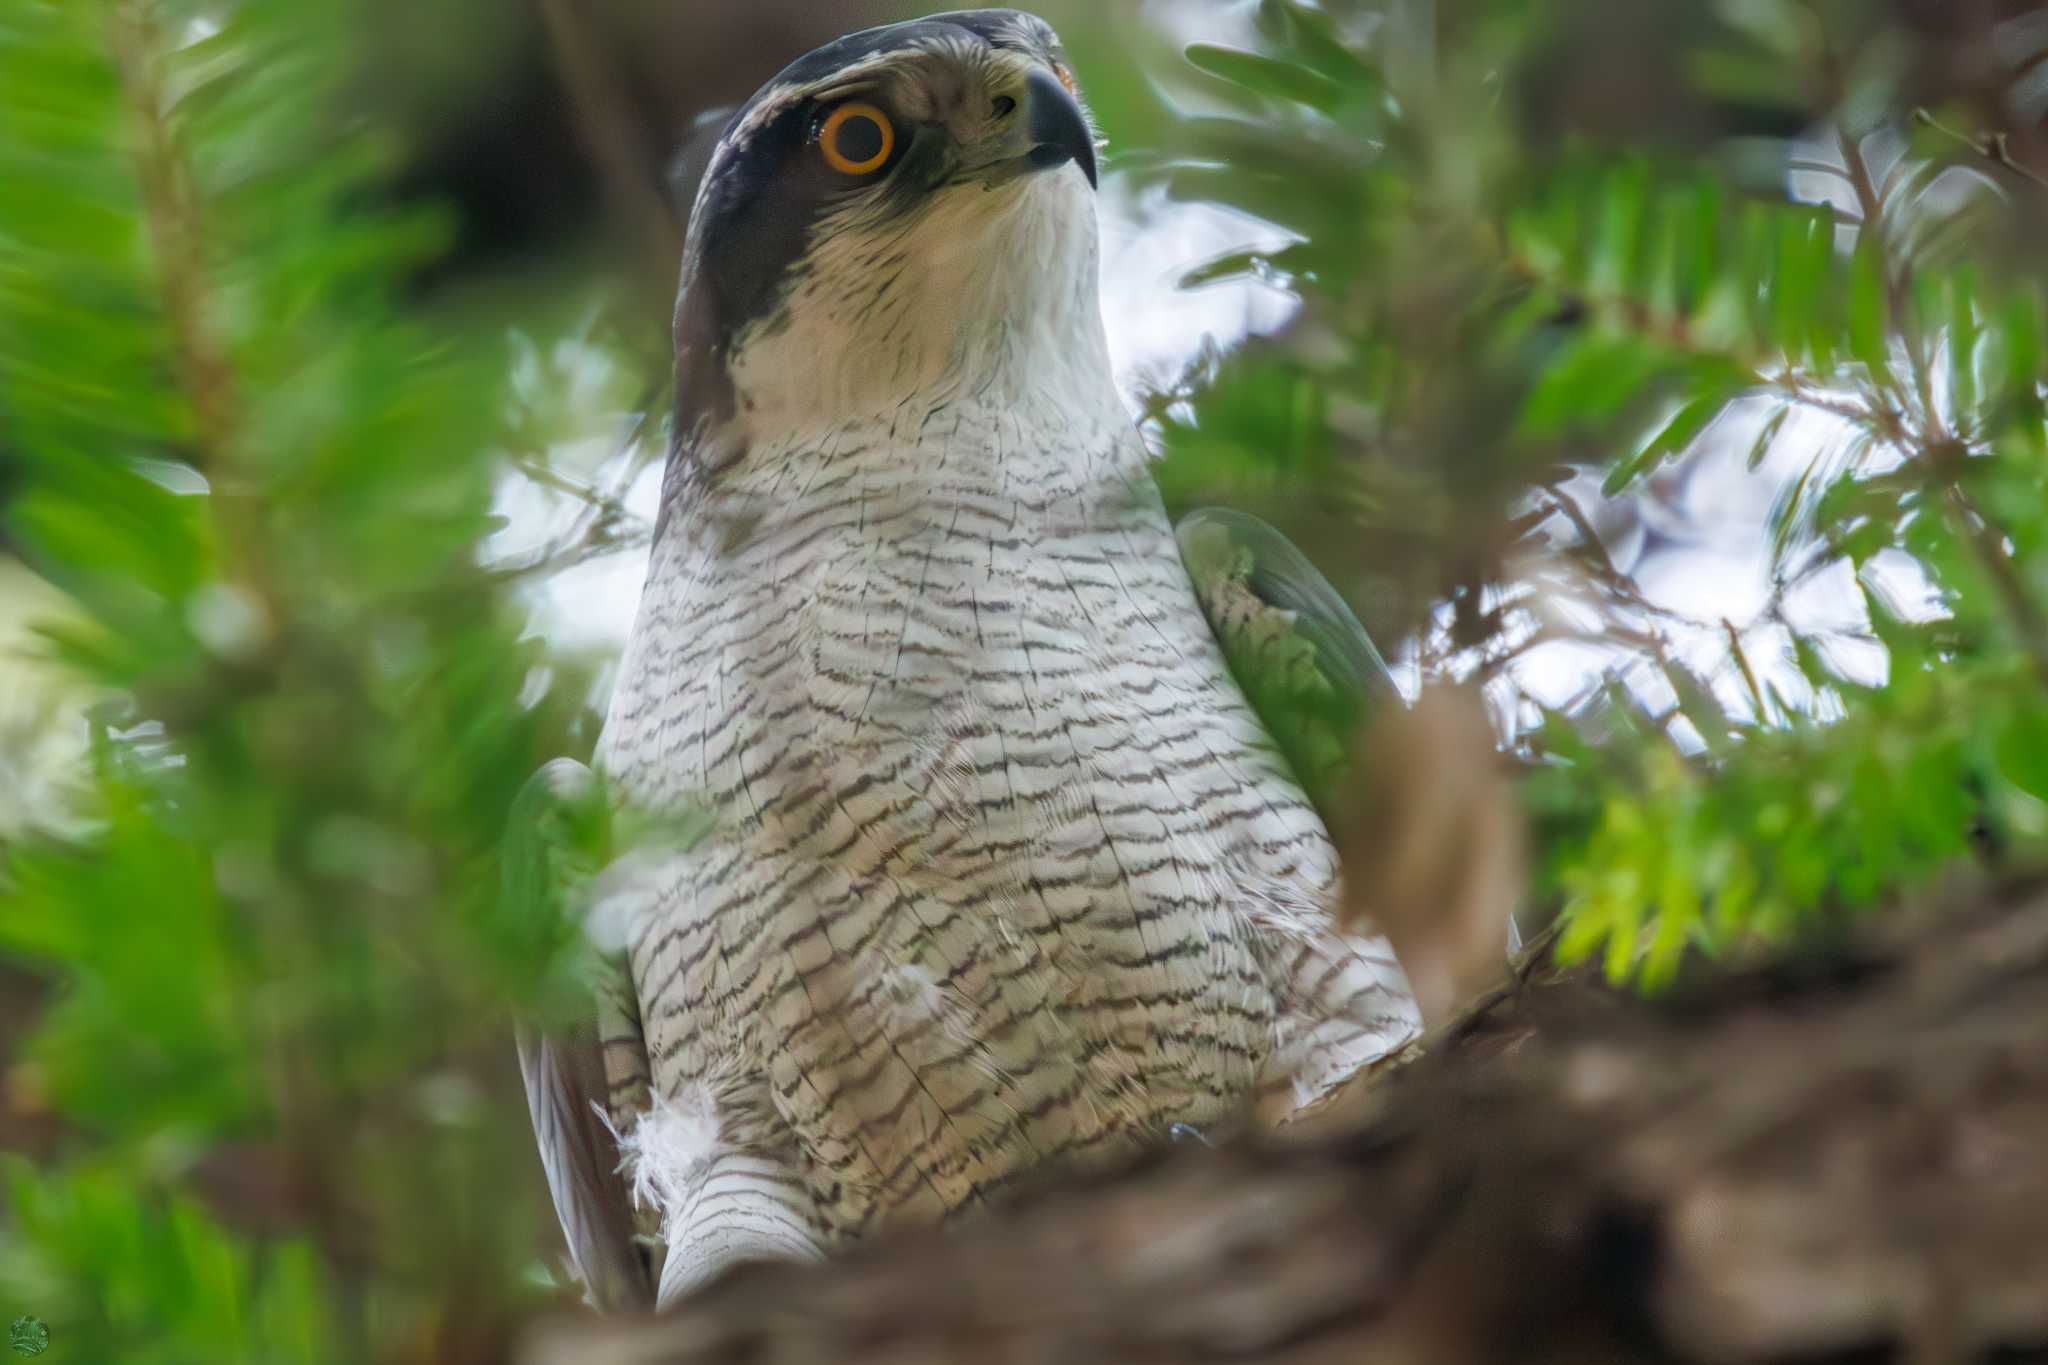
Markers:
1058,130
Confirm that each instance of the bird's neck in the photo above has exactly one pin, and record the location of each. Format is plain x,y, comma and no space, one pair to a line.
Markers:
966,398
994,301
1048,463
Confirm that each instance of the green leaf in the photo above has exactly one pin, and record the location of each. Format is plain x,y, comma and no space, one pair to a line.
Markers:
2022,749
1308,34
1752,271
1268,76
1675,435
1678,914
1963,335
1274,268
1590,382
1870,312
1761,449
2025,355
1666,283
1823,338
1707,213
1797,277
2021,338
1619,257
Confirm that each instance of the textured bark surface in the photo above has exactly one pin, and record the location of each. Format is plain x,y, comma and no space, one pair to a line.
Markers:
1839,1157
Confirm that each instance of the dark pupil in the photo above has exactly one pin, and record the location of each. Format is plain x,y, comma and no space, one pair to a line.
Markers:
859,138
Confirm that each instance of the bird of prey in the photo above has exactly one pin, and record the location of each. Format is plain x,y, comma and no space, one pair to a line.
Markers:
1002,868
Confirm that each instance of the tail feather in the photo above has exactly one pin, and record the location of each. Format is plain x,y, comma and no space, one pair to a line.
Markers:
741,1206
705,1162
565,1089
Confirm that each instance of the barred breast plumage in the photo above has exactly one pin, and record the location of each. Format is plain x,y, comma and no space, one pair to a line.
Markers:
1005,868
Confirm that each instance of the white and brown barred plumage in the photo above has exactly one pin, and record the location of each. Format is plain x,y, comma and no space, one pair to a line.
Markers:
1005,871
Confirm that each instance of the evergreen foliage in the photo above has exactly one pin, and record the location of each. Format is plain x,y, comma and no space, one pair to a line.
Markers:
261,479
271,970
1496,323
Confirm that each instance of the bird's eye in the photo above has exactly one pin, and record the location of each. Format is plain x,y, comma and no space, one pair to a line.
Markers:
1066,78
1003,106
856,138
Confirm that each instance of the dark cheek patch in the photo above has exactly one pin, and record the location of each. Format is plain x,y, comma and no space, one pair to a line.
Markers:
757,221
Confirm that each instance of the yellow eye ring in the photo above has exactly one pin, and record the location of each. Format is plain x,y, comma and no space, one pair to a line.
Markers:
856,112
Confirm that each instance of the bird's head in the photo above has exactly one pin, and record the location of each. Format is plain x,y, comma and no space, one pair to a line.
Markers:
905,212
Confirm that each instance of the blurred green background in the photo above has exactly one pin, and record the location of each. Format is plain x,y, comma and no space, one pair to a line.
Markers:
1673,372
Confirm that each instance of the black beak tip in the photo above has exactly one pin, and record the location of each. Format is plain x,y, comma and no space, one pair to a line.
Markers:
1058,127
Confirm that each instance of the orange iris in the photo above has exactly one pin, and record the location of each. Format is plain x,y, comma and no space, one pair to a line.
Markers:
856,138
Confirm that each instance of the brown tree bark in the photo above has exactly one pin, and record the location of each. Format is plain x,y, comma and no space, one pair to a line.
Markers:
1839,1156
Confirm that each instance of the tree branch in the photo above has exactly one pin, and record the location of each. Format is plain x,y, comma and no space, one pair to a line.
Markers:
1827,1157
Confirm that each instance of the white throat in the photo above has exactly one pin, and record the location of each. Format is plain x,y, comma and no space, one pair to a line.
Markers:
989,296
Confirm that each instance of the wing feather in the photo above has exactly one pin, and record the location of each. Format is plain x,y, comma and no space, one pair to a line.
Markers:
565,1090
1306,664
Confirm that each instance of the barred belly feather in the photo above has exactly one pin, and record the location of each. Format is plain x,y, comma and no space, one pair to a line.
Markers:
1006,870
